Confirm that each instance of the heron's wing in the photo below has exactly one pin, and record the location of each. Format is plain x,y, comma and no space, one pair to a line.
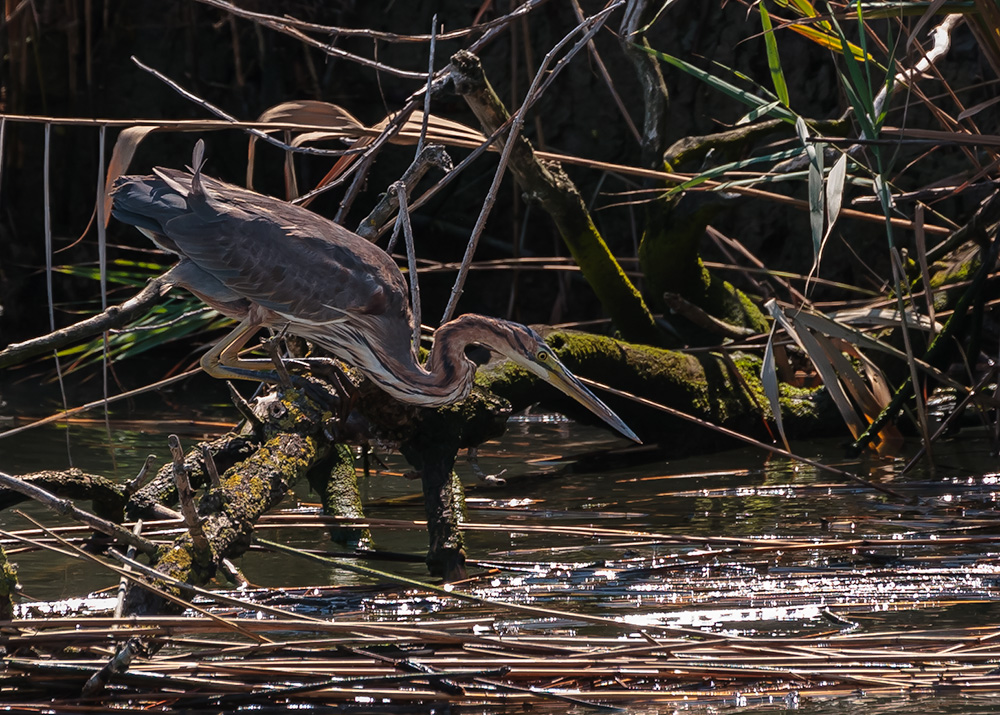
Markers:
290,260
207,288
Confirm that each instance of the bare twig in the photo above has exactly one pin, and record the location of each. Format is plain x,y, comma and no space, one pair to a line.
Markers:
115,316
185,495
123,582
427,90
430,155
606,76
243,407
152,387
472,457
270,345
744,438
543,78
77,552
210,469
133,486
264,136
275,22
118,664
403,219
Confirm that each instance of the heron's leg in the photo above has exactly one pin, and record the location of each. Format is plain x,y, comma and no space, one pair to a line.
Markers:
330,371
224,361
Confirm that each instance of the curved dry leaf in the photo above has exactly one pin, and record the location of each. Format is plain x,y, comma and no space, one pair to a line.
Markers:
811,346
863,396
311,112
439,129
307,112
317,136
974,110
121,156
885,318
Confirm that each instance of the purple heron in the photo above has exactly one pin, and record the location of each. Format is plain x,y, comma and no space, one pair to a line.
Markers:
269,263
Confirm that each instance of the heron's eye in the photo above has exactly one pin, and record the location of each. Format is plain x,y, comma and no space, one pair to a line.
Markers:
543,356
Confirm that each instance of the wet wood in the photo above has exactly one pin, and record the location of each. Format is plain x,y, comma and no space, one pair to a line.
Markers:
107,497
336,482
291,445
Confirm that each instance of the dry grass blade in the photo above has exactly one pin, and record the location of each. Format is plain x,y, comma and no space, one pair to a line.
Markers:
460,595
869,393
841,325
813,348
77,552
769,380
67,508
744,438
439,129
99,403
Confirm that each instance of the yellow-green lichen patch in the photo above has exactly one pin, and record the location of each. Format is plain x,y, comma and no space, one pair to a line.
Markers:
8,587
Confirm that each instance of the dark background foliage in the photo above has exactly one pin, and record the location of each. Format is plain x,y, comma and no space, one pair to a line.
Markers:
71,58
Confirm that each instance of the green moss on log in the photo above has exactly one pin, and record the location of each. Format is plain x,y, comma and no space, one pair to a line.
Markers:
704,386
336,482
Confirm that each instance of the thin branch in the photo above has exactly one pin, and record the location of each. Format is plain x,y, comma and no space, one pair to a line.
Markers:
113,317
744,438
67,508
540,82
403,218
152,387
274,22
606,76
185,495
262,135
431,155
427,90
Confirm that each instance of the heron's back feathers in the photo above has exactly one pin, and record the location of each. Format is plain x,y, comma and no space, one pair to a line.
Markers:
279,256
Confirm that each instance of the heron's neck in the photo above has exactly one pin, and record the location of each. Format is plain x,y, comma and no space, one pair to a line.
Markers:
448,374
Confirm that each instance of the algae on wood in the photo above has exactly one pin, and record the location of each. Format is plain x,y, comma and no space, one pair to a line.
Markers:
336,482
8,586
293,443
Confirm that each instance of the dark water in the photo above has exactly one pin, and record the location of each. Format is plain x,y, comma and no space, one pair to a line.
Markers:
606,542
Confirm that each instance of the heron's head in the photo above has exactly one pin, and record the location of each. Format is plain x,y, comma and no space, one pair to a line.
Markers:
523,346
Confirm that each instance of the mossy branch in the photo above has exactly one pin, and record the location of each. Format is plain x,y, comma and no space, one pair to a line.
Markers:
549,185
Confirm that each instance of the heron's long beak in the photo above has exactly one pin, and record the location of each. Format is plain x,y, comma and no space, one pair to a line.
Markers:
559,376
